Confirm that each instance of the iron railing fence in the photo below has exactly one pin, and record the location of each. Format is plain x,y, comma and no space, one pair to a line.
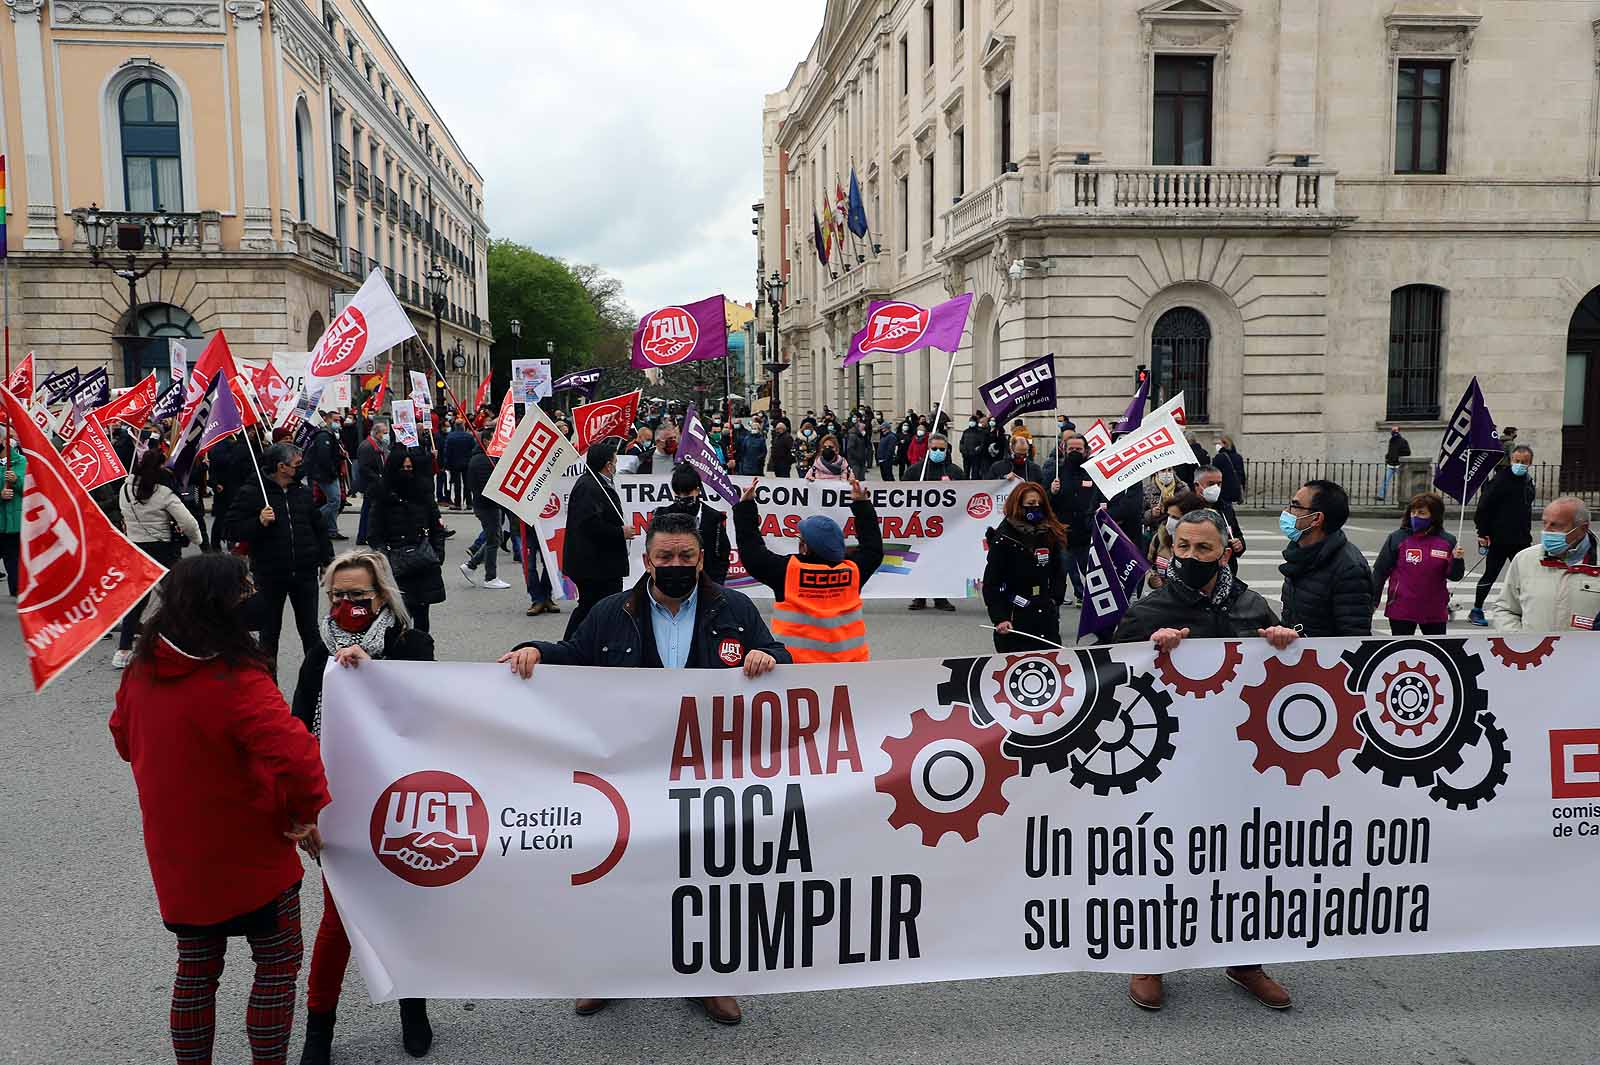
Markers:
1271,482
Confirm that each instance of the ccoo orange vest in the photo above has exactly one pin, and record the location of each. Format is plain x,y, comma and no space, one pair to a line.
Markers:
819,618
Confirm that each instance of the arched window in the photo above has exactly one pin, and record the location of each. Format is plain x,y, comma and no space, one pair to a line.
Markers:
302,137
1416,344
1180,361
152,171
315,327
165,320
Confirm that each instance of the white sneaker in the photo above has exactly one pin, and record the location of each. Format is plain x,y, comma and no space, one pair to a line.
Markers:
120,659
466,571
497,584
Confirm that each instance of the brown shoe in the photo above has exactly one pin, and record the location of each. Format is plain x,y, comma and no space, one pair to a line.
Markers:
550,607
724,1009
1266,990
535,609
1147,992
588,1007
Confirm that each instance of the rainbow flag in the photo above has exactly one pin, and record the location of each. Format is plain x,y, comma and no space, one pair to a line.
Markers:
3,211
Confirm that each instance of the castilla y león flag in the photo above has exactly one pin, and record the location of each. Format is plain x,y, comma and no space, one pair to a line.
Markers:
896,327
370,325
681,334
79,574
604,418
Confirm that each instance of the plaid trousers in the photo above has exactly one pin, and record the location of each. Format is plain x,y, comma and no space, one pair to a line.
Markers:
276,951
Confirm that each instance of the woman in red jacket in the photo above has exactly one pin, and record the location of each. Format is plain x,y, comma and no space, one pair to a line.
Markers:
228,783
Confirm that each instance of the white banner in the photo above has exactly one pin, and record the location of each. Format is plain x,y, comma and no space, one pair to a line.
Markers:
1151,448
369,325
1097,435
932,530
637,833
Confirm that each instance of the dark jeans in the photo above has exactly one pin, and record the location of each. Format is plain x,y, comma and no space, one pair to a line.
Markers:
10,546
301,592
418,612
1492,565
166,553
1409,628
441,486
458,487
366,513
1077,560
886,470
590,593
781,471
219,518
534,575
489,518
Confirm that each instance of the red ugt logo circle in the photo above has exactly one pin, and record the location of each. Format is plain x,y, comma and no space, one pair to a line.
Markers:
430,828
342,346
669,335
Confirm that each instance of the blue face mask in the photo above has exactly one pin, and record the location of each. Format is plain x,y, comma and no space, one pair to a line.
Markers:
1555,544
1519,469
936,454
1420,525
1287,526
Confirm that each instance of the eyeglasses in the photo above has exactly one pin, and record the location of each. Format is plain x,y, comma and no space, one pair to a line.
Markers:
336,594
1292,505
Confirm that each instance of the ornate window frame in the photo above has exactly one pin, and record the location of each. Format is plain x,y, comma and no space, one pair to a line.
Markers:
1445,38
1188,27
140,68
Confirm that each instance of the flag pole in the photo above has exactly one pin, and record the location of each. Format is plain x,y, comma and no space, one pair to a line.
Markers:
257,464
937,407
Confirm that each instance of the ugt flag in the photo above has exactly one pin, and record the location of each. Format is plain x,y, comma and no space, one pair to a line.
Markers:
603,418
371,324
132,407
583,382
1470,448
79,574
688,333
91,457
20,383
695,448
1114,565
896,327
505,424
1030,387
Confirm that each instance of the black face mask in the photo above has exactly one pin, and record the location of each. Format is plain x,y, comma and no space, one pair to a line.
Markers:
1076,459
829,453
676,582
1193,573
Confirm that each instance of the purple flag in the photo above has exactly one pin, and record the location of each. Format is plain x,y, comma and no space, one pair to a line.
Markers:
681,334
696,449
583,381
214,417
1470,448
1134,415
59,385
169,403
1030,387
1114,565
93,389
897,327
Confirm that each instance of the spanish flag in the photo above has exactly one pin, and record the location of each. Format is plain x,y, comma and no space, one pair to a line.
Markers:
371,381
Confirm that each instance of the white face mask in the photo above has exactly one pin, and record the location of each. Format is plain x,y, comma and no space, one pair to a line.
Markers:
1211,493
1164,477
1172,527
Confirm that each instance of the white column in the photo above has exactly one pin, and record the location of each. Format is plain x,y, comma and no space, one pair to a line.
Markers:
1296,132
42,233
253,124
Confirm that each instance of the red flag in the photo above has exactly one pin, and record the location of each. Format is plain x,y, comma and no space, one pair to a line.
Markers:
91,458
375,404
79,574
132,407
483,392
604,418
20,383
217,357
504,426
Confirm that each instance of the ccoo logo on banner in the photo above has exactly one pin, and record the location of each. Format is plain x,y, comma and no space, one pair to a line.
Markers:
1030,387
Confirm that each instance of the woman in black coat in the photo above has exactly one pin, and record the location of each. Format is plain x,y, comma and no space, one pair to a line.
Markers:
1025,580
405,526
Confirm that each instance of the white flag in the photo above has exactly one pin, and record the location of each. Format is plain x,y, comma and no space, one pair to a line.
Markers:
371,324
1151,448
537,454
178,358
1172,408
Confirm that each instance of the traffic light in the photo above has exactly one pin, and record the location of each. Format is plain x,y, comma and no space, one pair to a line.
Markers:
1140,376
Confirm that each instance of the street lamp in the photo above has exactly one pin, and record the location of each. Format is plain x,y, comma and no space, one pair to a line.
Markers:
516,337
774,292
132,232
439,289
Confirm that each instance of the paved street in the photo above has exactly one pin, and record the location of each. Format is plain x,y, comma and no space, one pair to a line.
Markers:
89,965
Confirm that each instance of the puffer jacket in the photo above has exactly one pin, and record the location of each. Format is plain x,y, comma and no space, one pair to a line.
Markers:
294,546
1327,588
151,521
1024,564
1244,614
405,515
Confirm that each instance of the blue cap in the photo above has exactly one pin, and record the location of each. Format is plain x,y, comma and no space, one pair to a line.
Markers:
823,535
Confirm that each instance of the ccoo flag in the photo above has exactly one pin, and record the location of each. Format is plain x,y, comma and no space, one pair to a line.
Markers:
583,382
1470,448
1133,417
695,449
1113,565
896,327
1029,388
687,333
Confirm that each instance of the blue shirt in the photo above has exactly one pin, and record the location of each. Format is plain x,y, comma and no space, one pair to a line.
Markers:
674,632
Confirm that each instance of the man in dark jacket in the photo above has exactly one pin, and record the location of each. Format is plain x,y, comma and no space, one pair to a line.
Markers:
324,457
1504,519
1327,584
688,497
858,449
1074,497
973,439
287,543
1231,463
782,453
1208,485
673,618
937,464
884,453
370,459
488,513
595,549
1399,447
457,452
1201,599
1019,467
220,462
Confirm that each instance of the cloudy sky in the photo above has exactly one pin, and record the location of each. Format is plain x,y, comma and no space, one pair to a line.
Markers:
625,133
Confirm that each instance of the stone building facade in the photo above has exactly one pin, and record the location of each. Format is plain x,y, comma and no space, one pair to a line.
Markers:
1316,217
288,137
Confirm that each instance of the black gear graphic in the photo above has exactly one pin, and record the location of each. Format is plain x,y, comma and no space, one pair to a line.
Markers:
1493,780
1096,671
1461,726
1155,735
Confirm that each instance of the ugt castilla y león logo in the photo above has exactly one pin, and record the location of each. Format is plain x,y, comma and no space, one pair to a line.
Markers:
430,828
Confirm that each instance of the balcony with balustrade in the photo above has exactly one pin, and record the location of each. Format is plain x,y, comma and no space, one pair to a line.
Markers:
862,281
362,185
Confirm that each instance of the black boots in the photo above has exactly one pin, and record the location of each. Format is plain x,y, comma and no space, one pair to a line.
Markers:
416,1034
319,1039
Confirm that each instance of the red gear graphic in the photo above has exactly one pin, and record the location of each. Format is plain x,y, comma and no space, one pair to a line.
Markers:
1199,687
903,751
1421,677
1062,666
1521,659
1343,737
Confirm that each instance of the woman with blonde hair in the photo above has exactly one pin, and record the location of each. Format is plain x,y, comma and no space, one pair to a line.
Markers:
366,620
